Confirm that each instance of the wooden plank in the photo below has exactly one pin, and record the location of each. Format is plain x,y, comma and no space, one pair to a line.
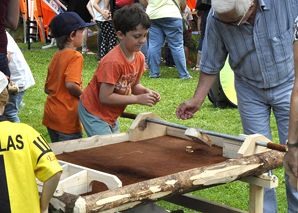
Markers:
87,143
263,180
249,145
202,205
256,198
141,130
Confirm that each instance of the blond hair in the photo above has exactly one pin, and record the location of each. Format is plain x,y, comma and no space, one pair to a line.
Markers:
4,96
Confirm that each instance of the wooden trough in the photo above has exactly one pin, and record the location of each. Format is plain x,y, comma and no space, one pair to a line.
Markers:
80,188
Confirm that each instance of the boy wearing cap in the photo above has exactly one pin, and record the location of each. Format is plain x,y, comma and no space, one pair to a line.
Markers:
24,157
64,80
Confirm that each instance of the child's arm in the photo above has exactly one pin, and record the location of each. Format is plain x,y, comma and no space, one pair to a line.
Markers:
139,89
48,190
108,97
74,89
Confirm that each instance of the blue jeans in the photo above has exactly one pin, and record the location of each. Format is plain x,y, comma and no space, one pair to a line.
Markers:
12,108
94,125
172,29
255,107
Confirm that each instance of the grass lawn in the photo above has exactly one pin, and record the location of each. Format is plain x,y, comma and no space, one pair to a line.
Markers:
173,91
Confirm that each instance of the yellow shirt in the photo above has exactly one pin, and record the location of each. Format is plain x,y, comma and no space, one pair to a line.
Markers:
157,9
24,155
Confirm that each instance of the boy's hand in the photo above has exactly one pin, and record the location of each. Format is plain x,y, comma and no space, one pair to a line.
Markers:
148,99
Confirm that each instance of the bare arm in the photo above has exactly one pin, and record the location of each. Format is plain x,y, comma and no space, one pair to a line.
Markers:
188,108
108,97
74,89
12,14
48,190
104,13
292,155
144,3
89,8
182,5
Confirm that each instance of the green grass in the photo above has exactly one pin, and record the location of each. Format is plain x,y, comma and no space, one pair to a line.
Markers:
173,91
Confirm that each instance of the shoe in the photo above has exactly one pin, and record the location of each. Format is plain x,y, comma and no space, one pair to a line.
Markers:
196,67
171,66
88,52
177,211
155,76
189,77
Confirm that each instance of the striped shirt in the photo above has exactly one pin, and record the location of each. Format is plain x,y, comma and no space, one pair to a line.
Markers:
261,55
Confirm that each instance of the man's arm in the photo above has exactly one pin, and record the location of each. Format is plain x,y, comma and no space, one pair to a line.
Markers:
74,89
292,158
188,108
182,5
12,14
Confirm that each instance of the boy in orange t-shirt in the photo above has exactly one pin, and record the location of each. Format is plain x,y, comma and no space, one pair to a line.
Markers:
64,80
118,76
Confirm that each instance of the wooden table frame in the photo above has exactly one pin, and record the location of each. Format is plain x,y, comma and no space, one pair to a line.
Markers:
120,198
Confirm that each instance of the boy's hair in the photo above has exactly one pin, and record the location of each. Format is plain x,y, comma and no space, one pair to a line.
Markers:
63,40
129,17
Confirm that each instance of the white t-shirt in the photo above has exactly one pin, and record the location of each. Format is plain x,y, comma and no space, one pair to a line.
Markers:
19,68
98,16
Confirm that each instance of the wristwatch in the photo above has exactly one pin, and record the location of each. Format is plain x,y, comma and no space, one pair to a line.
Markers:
291,145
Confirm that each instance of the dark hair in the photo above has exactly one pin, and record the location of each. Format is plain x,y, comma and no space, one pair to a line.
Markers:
62,40
129,17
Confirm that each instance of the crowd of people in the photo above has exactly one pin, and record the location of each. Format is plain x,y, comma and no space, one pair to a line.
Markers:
257,35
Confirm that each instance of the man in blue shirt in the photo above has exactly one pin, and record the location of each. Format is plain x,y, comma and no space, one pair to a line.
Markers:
257,36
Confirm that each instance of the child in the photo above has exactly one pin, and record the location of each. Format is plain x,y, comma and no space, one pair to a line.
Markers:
104,22
118,76
21,75
24,157
64,80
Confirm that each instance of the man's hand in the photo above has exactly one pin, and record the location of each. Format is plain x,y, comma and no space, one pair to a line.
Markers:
187,109
290,163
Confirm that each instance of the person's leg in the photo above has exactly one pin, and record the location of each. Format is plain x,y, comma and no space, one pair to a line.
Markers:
281,96
84,45
156,40
11,109
255,110
104,42
53,135
112,35
99,41
172,28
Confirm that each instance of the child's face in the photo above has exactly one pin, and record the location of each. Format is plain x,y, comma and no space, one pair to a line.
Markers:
134,40
78,38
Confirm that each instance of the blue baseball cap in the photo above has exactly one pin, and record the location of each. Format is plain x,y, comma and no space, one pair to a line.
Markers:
66,22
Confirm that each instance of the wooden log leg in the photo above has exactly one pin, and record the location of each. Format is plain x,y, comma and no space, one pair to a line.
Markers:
256,198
